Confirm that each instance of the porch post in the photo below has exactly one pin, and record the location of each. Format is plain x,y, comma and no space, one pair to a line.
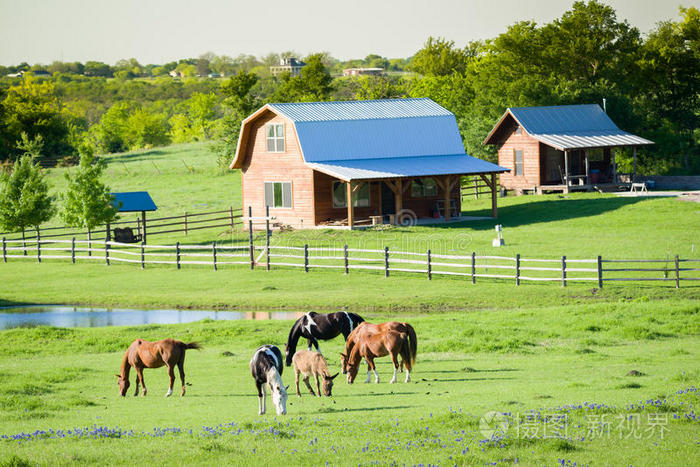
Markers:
614,166
588,175
566,168
399,200
634,153
348,199
494,201
448,188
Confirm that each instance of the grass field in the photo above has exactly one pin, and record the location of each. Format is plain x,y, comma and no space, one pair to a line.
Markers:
536,374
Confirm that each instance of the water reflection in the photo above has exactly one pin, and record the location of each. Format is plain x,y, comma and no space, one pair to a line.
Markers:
73,317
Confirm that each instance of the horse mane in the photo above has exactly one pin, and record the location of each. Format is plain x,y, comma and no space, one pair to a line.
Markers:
125,366
293,339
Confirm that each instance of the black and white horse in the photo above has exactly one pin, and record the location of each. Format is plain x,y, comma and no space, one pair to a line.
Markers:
313,326
266,367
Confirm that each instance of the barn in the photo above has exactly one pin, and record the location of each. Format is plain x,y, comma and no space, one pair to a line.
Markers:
559,148
396,160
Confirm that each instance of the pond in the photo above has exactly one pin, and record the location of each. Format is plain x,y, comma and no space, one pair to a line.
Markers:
73,317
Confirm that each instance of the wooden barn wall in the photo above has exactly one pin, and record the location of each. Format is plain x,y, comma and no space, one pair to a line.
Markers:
531,159
261,166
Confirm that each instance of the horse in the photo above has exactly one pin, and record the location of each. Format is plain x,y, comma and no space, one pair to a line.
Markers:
313,326
266,368
312,363
143,354
378,340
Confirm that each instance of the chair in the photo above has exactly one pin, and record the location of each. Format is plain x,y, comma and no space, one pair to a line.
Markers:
126,235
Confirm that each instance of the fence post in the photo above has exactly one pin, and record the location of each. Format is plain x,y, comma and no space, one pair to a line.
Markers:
600,272
230,211
38,247
678,273
138,227
476,188
143,256
177,254
430,273
72,250
267,236
250,238
107,252
345,259
473,267
185,223
4,250
517,269
89,242
24,242
213,252
306,257
108,235
386,261
563,271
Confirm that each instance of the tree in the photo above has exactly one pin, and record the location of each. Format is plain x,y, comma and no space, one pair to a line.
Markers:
93,68
312,84
439,57
87,201
24,193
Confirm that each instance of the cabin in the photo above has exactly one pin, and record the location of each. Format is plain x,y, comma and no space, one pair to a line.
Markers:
559,148
353,163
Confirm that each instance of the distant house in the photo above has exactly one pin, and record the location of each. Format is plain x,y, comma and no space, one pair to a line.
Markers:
559,148
326,163
363,71
288,65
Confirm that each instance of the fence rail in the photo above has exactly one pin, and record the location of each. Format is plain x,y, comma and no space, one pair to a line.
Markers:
385,260
154,226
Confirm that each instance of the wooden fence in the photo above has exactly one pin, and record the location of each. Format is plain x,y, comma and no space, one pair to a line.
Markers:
155,226
386,261
474,186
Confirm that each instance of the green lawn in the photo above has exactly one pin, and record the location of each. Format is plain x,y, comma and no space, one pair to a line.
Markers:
550,363
555,377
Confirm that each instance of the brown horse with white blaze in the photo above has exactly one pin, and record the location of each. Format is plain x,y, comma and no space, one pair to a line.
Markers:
143,354
370,341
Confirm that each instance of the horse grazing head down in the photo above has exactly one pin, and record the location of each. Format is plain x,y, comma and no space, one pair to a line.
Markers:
348,367
279,395
328,384
123,385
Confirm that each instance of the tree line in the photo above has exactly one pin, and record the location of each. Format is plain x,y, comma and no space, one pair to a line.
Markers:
650,84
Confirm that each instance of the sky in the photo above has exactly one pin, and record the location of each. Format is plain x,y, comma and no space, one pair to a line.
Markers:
159,31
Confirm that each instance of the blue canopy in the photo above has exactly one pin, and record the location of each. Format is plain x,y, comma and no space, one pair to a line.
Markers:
133,201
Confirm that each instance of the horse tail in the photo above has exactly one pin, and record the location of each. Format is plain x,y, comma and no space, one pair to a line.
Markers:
193,345
413,344
292,341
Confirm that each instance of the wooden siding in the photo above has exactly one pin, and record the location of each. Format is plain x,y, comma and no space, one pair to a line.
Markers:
506,158
260,166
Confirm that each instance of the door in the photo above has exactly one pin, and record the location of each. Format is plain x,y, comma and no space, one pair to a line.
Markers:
388,200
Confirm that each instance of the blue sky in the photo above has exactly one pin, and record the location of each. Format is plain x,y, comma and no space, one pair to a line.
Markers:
157,31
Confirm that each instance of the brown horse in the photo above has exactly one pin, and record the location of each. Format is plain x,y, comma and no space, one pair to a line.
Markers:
143,354
370,341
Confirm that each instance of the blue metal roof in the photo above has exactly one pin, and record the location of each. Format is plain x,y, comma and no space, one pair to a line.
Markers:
133,201
365,169
360,110
571,127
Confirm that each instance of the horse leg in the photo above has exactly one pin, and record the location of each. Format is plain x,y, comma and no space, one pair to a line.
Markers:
370,362
171,375
296,381
369,369
318,385
308,385
309,343
181,368
139,377
395,361
261,398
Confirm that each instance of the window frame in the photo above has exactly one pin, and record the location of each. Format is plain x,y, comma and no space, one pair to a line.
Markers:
276,139
516,172
356,198
281,184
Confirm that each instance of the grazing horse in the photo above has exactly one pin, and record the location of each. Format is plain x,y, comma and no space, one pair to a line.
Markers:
313,326
310,363
370,341
266,368
143,354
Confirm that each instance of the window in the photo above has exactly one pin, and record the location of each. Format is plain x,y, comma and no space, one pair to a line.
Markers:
424,188
275,137
518,161
360,198
278,194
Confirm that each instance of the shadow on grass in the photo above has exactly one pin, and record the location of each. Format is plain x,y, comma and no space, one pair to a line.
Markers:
542,211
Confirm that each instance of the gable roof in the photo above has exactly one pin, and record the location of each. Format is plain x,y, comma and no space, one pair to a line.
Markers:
567,127
377,139
131,201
